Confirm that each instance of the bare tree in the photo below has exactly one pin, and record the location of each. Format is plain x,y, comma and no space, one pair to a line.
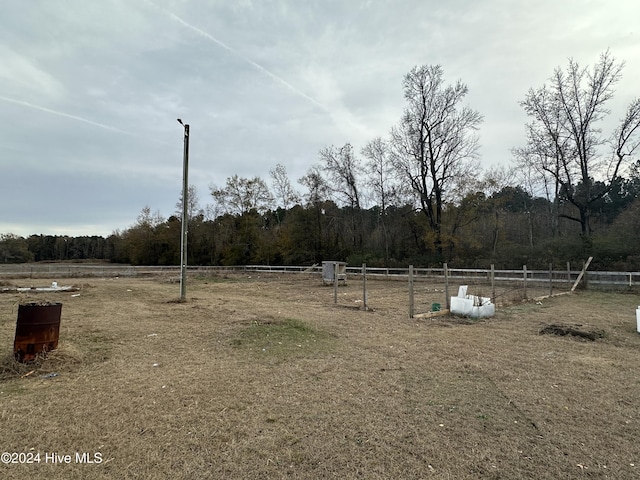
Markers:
285,195
537,185
435,143
342,168
193,207
316,184
626,138
495,180
316,195
565,139
147,219
381,175
382,180
241,195
534,172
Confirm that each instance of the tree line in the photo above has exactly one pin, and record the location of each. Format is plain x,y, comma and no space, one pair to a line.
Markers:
419,195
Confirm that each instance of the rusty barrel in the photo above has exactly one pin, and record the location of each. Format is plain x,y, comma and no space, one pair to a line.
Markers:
37,329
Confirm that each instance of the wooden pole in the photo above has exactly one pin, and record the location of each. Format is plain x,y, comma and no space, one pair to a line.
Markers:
493,284
335,283
446,286
584,269
364,286
584,278
410,291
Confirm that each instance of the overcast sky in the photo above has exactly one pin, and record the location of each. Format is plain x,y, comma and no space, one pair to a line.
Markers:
90,90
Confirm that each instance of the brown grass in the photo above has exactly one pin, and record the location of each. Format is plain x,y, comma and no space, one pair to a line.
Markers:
264,377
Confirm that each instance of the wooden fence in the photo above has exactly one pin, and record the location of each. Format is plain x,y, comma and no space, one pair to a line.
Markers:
558,277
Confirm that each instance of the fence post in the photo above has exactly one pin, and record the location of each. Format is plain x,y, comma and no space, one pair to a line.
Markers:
410,291
493,284
364,285
569,273
335,283
446,286
550,279
524,270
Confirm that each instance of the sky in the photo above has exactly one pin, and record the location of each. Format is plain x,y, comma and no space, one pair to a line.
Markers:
90,91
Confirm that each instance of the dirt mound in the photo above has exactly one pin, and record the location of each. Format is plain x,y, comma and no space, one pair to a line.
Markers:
575,330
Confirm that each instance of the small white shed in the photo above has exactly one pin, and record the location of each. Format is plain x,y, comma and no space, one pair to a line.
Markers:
328,269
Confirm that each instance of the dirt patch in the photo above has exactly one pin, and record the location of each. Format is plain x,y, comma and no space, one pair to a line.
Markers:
576,330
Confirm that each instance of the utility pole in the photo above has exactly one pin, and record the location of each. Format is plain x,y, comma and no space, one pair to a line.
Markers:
185,213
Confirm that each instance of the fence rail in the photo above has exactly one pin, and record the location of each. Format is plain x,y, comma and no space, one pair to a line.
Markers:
471,275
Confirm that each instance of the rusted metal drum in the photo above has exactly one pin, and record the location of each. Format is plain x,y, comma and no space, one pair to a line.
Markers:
37,329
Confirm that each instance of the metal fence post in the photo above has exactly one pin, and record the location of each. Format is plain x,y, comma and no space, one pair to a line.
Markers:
446,286
410,291
364,285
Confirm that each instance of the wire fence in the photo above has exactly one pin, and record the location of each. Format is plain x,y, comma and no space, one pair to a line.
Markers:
554,277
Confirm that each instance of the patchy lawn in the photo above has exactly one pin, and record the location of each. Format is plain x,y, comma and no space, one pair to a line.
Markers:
264,377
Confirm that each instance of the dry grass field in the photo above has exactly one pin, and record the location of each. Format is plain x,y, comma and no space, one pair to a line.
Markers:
263,377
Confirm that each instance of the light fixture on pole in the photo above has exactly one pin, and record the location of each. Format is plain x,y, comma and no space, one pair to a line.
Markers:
185,218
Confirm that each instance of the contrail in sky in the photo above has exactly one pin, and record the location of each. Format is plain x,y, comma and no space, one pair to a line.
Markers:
62,114
73,117
273,76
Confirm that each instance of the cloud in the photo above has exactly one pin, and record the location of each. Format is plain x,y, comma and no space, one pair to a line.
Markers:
21,74
93,90
339,114
259,67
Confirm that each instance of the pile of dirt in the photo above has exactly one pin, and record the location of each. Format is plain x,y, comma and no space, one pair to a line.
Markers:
575,330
